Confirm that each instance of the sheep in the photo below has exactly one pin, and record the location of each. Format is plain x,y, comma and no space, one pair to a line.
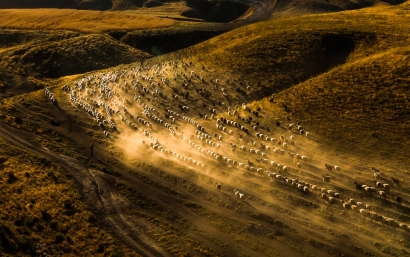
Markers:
271,175
382,194
331,199
298,165
373,215
326,178
285,168
218,186
337,195
331,192
359,204
336,168
392,222
351,201
363,211
315,188
328,167
404,226
358,186
370,190
346,205
387,187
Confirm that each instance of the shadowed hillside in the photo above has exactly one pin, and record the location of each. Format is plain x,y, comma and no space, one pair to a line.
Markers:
157,42
295,49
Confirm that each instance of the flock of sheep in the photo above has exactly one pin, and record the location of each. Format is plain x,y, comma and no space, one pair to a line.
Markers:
156,102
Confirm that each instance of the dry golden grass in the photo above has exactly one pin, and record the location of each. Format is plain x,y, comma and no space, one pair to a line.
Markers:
79,20
42,212
191,217
102,51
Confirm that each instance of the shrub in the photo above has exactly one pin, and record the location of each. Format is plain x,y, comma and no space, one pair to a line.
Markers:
91,218
45,216
11,177
68,204
69,240
54,225
59,238
18,120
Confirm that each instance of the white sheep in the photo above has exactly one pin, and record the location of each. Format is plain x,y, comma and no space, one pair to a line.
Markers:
336,168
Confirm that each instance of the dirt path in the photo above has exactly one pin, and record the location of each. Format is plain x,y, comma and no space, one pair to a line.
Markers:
97,189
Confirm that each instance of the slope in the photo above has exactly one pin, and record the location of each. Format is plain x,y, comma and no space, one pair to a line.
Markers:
364,104
70,56
164,136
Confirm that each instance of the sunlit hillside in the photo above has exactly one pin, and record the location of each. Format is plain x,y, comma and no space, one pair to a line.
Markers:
78,20
286,137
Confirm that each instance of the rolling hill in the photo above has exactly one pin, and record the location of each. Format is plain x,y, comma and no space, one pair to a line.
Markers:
167,132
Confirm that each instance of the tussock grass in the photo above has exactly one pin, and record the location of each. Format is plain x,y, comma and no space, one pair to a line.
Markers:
79,20
42,212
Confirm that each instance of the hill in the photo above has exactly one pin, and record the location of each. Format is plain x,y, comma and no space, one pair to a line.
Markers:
367,98
66,57
166,133
79,20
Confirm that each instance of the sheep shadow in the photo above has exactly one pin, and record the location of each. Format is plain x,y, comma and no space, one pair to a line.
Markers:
246,203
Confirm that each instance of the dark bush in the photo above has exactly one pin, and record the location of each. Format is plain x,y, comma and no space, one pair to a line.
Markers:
45,216
69,240
11,177
68,204
54,225
59,238
18,120
91,218
31,221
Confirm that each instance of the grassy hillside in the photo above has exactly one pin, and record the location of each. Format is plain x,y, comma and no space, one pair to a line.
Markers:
42,212
295,49
344,76
78,20
289,8
363,104
70,56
